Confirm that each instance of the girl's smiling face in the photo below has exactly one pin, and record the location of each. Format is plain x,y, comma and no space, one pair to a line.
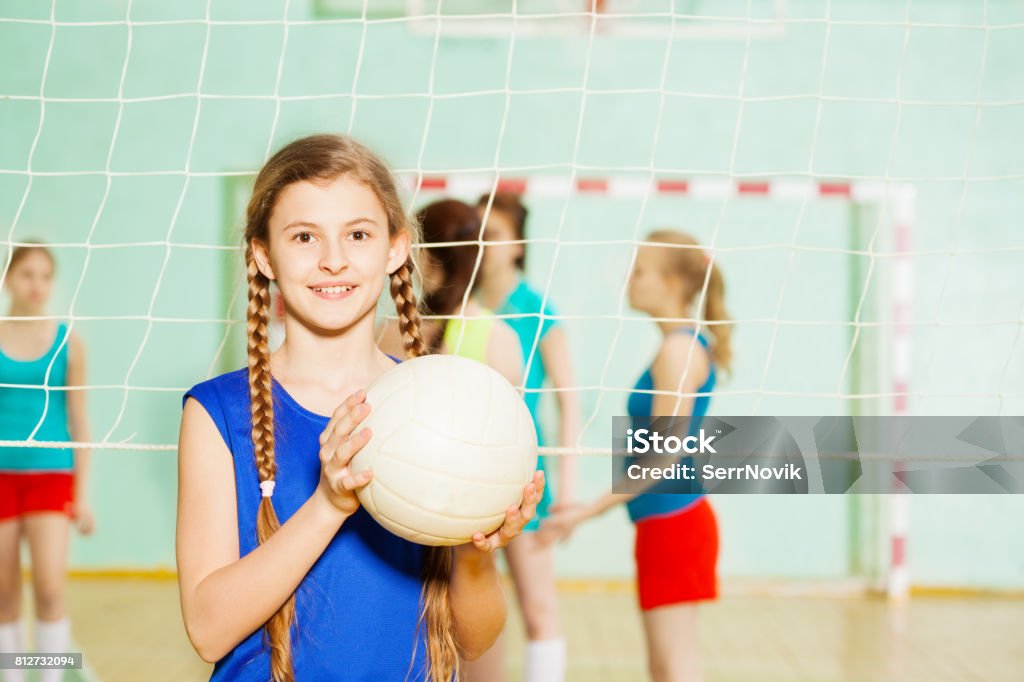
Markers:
330,251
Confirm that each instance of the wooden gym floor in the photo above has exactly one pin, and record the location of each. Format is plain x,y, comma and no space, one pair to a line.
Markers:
130,629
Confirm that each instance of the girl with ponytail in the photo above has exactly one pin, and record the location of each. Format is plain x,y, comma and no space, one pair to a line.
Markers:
676,547
282,575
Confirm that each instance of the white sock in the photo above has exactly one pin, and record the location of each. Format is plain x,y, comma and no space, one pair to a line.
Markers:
52,637
545,661
12,640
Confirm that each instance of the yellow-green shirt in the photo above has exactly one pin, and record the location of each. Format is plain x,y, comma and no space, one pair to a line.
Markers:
475,332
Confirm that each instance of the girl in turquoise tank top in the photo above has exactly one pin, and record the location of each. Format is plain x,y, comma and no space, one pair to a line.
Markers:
283,576
41,488
676,547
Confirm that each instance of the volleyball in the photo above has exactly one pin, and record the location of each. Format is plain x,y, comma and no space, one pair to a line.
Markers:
452,447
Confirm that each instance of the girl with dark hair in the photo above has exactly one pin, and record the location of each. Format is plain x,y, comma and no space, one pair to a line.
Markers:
448,273
282,574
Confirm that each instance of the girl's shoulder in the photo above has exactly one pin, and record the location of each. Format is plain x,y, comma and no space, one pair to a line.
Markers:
683,337
224,389
225,398
681,347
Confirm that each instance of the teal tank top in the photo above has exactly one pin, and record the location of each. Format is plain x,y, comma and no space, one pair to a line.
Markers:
22,406
639,407
530,313
530,317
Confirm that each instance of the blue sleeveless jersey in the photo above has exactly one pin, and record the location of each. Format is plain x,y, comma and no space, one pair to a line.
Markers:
22,408
640,405
357,609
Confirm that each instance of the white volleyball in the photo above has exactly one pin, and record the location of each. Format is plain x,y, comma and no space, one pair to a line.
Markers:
452,446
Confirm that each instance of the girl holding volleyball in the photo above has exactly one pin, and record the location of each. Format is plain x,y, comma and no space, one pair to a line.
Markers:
676,535
545,348
282,575
41,489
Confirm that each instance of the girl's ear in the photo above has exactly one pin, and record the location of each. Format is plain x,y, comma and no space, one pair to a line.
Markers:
262,256
399,251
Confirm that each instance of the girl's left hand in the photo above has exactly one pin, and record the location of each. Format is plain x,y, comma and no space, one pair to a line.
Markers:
81,514
516,518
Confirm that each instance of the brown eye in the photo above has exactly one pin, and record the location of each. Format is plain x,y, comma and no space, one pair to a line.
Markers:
304,237
360,235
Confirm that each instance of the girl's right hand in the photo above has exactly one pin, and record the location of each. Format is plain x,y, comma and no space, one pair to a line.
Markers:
338,444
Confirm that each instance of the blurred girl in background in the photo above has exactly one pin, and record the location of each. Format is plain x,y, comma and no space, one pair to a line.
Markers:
42,490
676,547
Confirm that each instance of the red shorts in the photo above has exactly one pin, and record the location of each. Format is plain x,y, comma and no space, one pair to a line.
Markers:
36,492
676,557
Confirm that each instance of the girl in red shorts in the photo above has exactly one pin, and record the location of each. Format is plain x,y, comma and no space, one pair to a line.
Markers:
676,534
41,488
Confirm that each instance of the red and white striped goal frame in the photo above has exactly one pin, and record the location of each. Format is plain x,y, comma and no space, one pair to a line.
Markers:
896,198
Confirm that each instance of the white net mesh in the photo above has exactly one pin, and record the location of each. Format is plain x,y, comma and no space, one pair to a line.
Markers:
793,153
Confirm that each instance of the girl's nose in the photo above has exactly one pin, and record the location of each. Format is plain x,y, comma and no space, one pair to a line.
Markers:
332,258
